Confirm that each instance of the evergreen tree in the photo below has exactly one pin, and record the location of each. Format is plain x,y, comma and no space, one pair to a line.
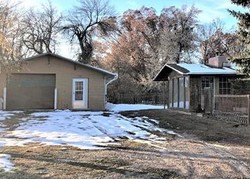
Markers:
243,58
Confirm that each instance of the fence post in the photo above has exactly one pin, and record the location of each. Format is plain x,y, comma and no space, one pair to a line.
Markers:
164,93
248,99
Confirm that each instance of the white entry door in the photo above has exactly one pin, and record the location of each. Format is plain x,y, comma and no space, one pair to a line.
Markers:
80,93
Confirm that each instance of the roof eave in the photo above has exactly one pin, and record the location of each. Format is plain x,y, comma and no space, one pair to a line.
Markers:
166,65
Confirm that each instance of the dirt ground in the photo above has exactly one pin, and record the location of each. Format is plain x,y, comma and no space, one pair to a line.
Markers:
204,128
207,148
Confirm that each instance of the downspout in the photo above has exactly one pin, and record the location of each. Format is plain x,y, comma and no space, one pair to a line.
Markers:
107,83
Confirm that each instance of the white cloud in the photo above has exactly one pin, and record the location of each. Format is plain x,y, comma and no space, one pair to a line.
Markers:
29,3
216,9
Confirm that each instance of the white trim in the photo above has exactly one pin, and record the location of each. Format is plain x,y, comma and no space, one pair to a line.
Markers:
175,69
108,82
166,65
55,99
86,92
105,91
84,103
4,98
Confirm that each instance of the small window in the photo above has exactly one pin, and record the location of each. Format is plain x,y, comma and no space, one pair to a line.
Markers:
78,90
224,85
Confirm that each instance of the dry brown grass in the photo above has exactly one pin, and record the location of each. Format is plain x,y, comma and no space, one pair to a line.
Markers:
194,156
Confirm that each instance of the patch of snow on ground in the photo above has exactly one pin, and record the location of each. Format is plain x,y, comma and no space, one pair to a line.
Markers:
5,114
131,107
5,162
82,129
86,130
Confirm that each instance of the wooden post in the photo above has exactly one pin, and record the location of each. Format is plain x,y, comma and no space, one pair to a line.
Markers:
164,93
248,117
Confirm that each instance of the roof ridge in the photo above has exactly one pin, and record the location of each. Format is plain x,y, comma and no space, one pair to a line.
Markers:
72,61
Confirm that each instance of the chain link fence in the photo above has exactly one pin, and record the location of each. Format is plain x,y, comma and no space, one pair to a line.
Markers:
153,98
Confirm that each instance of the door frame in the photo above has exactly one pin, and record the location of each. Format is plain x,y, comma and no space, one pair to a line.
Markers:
84,103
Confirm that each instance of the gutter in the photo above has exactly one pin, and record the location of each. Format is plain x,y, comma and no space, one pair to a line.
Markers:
107,83
115,78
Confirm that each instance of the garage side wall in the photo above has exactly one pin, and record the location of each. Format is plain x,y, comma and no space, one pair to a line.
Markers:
65,72
2,86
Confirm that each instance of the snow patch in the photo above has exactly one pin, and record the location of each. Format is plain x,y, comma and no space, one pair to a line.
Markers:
131,107
5,162
82,129
86,130
7,114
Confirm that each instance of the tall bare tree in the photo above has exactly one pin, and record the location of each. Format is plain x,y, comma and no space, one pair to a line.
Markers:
41,29
10,34
178,38
215,40
84,20
145,42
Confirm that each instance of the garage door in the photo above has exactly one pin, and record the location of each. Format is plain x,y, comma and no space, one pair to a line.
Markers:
30,91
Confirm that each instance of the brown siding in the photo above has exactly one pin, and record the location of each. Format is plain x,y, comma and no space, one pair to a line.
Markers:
65,72
195,93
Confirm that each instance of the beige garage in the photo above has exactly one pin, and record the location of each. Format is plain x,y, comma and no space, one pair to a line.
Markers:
50,81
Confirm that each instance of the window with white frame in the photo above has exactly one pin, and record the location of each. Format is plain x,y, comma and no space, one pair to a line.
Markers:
224,85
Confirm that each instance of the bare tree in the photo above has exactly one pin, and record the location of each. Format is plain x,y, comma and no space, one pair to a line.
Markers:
84,20
10,35
177,33
215,40
41,28
145,42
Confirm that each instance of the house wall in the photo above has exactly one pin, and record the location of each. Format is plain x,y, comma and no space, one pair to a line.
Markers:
178,91
195,93
192,95
196,96
65,71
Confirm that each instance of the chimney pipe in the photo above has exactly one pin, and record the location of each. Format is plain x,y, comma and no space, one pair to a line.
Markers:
218,61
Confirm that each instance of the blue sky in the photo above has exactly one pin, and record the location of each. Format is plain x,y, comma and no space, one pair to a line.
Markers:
211,9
